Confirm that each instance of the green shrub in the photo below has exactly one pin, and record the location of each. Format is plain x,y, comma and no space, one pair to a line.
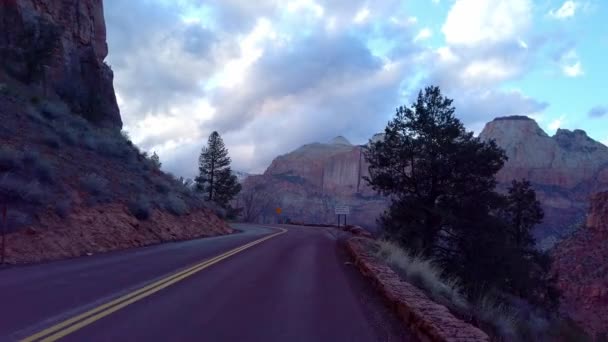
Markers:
140,208
42,169
54,110
63,208
162,186
51,140
175,205
18,189
69,134
16,219
10,159
95,184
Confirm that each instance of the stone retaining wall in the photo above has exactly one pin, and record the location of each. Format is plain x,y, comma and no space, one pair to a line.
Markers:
427,319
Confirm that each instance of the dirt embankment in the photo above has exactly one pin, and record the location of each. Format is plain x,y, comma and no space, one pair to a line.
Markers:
105,228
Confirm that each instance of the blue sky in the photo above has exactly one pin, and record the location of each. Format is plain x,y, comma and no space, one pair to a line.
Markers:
272,75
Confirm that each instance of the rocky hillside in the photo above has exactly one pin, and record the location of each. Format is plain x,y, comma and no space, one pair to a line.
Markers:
73,184
565,169
580,262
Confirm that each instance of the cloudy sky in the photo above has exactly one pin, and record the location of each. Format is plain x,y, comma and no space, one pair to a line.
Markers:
271,75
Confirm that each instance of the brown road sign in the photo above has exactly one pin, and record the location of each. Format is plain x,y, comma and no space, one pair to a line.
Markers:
279,211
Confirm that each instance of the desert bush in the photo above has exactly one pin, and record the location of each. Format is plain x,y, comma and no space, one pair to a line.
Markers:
162,186
175,205
34,193
50,139
63,208
90,142
53,110
140,208
111,148
216,208
42,169
10,159
69,134
18,189
95,184
16,219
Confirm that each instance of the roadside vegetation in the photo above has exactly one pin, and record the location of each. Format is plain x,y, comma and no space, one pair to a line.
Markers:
62,161
450,232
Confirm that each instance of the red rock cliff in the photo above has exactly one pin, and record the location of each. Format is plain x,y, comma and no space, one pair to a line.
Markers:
60,46
565,170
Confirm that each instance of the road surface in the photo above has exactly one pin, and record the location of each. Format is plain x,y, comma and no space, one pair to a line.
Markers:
263,284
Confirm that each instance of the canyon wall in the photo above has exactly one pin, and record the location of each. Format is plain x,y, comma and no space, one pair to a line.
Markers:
60,46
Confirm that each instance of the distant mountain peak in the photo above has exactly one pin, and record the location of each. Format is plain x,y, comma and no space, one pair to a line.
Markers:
340,140
513,118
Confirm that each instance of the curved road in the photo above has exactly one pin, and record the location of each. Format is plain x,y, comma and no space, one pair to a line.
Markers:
285,284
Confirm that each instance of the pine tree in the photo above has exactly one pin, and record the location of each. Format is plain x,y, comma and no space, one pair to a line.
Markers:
215,177
431,168
156,160
530,268
441,183
523,212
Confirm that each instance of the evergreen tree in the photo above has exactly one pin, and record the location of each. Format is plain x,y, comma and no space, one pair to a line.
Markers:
215,177
523,212
441,182
156,160
530,268
431,168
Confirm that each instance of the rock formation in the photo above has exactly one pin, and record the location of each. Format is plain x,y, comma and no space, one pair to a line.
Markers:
311,180
581,265
564,169
60,45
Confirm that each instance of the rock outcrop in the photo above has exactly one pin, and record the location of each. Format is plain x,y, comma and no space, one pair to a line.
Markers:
565,170
581,265
60,46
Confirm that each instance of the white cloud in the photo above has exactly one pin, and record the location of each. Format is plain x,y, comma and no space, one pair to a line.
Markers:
309,5
567,10
557,123
574,70
571,65
522,44
473,22
489,70
423,34
446,55
361,16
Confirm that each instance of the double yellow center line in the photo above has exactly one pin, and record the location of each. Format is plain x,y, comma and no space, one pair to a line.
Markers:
78,322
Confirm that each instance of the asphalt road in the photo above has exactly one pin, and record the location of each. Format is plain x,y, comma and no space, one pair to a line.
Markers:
295,285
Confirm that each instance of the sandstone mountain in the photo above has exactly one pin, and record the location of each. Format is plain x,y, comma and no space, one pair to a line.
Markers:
60,47
72,183
307,183
565,169
580,262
